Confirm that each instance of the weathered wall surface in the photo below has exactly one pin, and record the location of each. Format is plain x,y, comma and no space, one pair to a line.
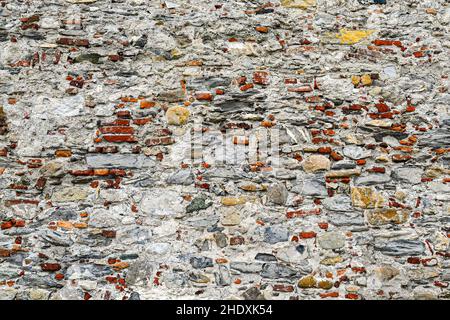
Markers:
111,111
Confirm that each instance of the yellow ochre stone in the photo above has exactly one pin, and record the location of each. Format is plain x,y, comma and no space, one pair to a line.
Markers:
387,216
366,80
177,115
325,284
230,201
331,261
366,197
307,282
353,36
300,4
356,80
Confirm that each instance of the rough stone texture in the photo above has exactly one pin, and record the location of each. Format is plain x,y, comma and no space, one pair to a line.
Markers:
293,149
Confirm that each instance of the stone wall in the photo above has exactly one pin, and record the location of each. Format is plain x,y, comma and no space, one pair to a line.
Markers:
293,149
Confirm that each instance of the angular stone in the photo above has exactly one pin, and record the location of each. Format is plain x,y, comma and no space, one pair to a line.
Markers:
223,276
198,277
348,219
275,234
387,216
182,177
70,194
253,294
221,239
316,163
266,257
386,272
313,186
337,203
410,175
331,261
372,179
116,161
198,203
343,173
343,164
277,193
292,255
402,248
90,57
161,202
331,240
231,219
276,271
202,222
249,186
246,267
366,197
355,152
439,138
379,123
201,262
56,238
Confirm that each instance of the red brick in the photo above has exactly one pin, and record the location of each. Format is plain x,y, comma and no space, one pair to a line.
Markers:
352,296
379,42
159,141
237,240
7,225
302,89
13,202
261,77
63,153
262,29
329,295
5,253
377,170
117,122
290,81
205,96
382,107
336,156
120,138
302,213
73,42
283,288
123,114
141,121
109,233
324,150
115,57
144,104
107,149
246,87
117,129
59,276
413,260
82,173
50,267
307,235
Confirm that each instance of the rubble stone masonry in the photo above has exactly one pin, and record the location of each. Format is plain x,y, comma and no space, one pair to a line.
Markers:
203,149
